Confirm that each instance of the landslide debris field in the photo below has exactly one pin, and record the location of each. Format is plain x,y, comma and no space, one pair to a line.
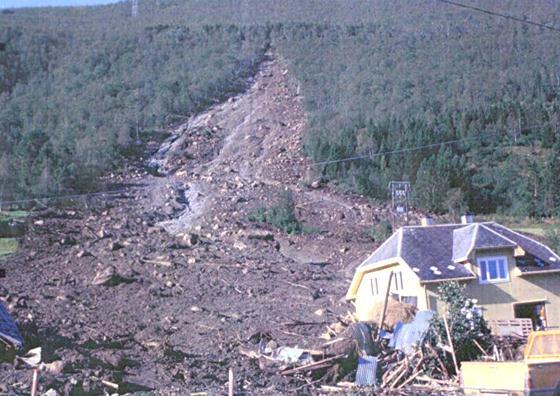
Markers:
158,287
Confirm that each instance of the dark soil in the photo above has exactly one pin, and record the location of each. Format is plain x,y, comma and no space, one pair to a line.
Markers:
157,288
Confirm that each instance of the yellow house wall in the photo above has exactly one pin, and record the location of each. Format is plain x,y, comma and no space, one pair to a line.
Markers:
365,299
497,299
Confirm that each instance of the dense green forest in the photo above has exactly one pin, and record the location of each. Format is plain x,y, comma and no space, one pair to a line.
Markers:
76,85
73,100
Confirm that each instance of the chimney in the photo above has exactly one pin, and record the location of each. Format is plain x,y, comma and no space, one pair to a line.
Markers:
467,218
426,221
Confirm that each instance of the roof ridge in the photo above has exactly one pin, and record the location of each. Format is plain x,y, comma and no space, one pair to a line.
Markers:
529,238
474,237
399,242
500,235
433,225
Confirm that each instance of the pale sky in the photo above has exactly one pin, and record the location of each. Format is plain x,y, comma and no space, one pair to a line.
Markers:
54,3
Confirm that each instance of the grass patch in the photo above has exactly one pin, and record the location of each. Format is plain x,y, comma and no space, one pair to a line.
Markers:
7,246
535,230
13,215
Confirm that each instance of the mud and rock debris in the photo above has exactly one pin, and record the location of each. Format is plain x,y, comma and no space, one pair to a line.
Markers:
104,288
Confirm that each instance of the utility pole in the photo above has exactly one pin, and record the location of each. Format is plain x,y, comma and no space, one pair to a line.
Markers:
134,8
400,200
2,49
2,270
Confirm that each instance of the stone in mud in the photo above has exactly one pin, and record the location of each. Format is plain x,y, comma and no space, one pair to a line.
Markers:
191,239
115,245
54,368
239,245
316,184
83,253
102,234
109,277
68,241
259,234
113,359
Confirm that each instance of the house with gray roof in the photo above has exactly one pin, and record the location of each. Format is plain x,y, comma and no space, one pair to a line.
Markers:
510,274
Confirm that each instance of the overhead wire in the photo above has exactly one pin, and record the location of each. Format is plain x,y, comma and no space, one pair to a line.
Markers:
359,157
318,163
397,151
499,14
420,147
68,196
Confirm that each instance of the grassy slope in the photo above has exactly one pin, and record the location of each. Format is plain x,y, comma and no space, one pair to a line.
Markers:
7,246
15,214
538,227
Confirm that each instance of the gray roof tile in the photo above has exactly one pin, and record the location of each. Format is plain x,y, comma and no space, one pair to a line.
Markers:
389,249
539,257
431,250
487,238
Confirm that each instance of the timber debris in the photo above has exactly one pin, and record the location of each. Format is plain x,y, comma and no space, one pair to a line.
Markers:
401,358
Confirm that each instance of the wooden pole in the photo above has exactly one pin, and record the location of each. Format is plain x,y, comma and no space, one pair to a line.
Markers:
230,382
384,310
451,345
34,381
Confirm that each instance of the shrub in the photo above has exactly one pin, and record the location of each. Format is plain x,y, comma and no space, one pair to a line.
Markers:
466,324
281,215
381,231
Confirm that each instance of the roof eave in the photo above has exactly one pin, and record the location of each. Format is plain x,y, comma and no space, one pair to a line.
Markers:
539,272
360,271
447,279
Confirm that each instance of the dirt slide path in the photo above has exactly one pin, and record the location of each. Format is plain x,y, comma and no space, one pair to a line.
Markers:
160,287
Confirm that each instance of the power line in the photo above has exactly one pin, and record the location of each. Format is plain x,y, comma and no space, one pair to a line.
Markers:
69,196
398,151
416,148
493,13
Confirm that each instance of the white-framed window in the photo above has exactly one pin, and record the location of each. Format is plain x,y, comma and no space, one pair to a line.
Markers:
412,300
398,281
374,286
493,269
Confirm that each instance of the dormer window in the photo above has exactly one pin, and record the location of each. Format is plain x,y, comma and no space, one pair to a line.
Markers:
493,269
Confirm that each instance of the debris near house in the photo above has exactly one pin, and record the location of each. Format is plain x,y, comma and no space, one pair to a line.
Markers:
406,358
395,312
520,327
505,348
534,372
403,351
9,332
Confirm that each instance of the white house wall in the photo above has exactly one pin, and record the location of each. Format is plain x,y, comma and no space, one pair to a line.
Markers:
365,299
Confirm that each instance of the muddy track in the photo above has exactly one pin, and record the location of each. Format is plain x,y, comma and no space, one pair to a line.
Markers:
159,288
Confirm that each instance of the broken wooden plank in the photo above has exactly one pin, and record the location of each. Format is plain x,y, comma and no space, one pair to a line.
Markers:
161,263
451,345
384,310
312,366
